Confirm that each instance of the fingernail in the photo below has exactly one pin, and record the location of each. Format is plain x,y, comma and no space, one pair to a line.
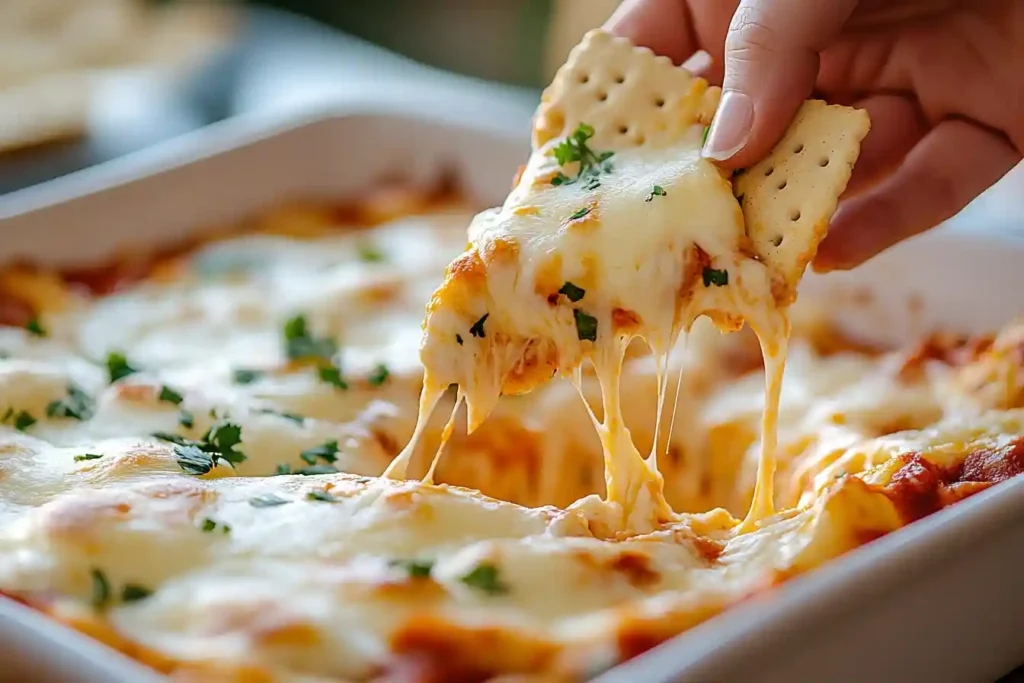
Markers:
731,126
698,63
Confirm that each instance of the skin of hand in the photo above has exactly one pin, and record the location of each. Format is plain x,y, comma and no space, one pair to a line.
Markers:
943,82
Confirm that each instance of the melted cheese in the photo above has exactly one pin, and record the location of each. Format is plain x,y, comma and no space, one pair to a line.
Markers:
499,323
307,589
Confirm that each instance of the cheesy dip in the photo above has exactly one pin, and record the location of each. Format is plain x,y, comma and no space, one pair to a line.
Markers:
190,443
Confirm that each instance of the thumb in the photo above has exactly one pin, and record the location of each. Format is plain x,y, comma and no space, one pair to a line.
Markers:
771,64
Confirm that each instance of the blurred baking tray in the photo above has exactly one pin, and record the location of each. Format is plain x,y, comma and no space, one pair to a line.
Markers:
941,600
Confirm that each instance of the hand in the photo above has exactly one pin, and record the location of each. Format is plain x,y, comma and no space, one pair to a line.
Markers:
943,81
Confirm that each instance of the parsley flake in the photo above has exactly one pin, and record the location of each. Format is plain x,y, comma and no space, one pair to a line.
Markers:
213,525
321,496
704,135
35,328
133,592
22,419
579,213
572,292
416,569
193,460
246,376
267,500
485,577
283,468
199,457
458,339
118,366
314,470
656,191
378,375
327,451
477,330
77,405
331,374
297,419
718,278
88,456
575,149
586,326
100,589
169,395
186,419
300,344
371,254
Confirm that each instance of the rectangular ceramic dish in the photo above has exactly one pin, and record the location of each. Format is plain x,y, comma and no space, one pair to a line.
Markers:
940,601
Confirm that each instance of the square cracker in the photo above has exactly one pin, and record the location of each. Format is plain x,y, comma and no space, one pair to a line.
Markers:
630,96
789,196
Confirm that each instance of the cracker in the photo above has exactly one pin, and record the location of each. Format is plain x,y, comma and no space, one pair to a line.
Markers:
789,197
627,94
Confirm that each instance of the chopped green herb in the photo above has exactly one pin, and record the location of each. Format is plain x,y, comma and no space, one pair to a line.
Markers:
322,496
169,395
416,569
370,254
579,213
331,374
35,328
221,440
77,405
378,375
656,191
132,592
88,456
718,278
485,577
572,292
174,438
586,326
300,344
23,420
100,589
212,525
186,419
704,135
245,376
575,149
193,460
297,419
327,451
118,366
199,457
458,339
267,500
314,470
477,330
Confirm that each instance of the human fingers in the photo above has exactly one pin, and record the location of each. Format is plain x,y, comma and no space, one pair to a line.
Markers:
771,62
954,163
897,125
664,26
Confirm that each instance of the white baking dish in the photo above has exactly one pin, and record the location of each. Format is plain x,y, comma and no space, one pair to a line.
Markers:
942,600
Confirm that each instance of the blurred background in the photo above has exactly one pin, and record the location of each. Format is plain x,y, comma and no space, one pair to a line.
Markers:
85,81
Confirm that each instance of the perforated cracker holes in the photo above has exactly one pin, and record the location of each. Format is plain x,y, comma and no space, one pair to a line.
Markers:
789,197
627,94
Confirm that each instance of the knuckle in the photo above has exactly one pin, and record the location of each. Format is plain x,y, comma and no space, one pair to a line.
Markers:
750,35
